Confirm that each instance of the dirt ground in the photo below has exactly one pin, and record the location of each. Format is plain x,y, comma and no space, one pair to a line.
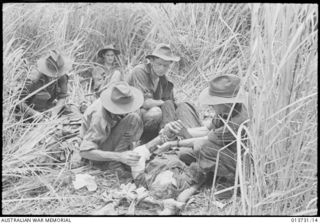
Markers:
69,201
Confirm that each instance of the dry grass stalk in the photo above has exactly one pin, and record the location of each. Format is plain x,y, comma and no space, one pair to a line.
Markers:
272,46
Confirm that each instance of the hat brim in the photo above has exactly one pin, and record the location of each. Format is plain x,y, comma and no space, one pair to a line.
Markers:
103,50
42,67
206,99
114,108
166,58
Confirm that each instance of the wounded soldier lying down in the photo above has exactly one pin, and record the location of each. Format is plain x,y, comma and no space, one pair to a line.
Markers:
165,175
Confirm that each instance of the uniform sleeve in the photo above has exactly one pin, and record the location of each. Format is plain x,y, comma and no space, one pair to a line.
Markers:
116,77
31,84
62,87
223,134
97,77
138,79
95,135
168,91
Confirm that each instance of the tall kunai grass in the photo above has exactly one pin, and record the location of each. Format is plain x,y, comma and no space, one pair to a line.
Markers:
272,46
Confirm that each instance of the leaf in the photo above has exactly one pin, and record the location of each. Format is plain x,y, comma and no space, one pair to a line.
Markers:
106,210
83,180
172,204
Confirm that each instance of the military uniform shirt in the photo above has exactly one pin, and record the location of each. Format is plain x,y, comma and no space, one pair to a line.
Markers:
140,77
43,100
96,127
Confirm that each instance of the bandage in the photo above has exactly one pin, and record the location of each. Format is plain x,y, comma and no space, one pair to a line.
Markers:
144,154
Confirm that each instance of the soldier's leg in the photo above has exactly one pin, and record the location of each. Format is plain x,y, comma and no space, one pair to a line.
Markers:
122,136
188,115
168,109
151,120
211,155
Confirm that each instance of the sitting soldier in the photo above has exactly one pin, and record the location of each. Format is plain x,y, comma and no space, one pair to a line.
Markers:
159,105
106,70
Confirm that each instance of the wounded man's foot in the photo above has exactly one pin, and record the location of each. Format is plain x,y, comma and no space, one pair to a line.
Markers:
171,207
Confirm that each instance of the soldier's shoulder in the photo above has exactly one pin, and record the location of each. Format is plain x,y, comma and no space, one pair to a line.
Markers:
140,68
98,68
35,75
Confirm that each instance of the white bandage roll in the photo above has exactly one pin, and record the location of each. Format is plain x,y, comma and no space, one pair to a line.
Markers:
140,166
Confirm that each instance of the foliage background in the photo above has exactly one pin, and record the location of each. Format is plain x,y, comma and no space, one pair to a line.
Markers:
272,46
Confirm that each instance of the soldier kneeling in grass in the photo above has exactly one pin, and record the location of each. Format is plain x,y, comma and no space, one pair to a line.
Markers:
169,177
110,126
46,88
44,96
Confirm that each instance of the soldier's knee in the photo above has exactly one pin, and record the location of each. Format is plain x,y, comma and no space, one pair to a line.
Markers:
168,103
182,106
153,114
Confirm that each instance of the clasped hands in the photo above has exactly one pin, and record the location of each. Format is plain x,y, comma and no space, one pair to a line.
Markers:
175,128
172,129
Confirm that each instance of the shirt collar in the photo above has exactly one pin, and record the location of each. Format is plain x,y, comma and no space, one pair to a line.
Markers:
112,119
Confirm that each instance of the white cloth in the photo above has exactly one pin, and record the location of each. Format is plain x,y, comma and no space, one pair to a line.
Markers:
140,166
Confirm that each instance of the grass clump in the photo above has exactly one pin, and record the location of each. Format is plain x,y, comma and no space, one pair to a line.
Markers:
272,46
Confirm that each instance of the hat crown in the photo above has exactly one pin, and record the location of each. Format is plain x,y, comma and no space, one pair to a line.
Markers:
121,93
106,48
225,86
110,46
164,52
163,49
120,98
54,62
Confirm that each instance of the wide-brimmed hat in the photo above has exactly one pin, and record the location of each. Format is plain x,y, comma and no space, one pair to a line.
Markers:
54,64
223,89
107,48
120,98
164,52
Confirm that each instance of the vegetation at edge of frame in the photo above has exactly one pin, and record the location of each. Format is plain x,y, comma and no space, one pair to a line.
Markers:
273,46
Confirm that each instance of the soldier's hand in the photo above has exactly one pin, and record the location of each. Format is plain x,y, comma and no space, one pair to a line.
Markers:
172,129
198,144
164,147
129,158
183,131
176,128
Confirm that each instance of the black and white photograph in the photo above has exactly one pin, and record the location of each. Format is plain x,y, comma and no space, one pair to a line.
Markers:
159,109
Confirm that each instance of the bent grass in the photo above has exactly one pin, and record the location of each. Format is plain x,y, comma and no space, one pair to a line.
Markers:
272,46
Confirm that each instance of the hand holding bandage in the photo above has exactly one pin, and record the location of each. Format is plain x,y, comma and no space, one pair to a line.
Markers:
144,155
175,128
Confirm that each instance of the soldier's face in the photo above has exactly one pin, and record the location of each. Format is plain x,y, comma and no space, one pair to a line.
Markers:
109,57
221,108
160,66
218,109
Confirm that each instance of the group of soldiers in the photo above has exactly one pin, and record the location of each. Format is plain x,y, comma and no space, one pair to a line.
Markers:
135,125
